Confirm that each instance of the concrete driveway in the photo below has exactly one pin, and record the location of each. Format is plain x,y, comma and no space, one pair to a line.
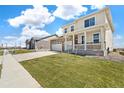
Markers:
28,56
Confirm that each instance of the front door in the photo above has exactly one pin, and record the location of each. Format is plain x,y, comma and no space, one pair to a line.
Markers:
82,39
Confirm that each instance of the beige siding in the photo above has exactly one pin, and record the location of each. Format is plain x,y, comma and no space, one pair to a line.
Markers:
90,35
100,18
102,26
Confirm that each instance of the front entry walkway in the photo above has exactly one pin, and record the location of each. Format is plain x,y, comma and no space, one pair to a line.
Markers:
14,75
114,57
28,56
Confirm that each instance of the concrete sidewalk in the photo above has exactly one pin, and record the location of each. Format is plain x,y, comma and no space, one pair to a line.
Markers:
15,76
1,59
28,56
114,57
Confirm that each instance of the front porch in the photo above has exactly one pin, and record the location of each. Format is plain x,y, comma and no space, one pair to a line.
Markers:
85,42
92,49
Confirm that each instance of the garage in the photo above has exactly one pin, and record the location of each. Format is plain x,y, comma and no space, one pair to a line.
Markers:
57,44
57,47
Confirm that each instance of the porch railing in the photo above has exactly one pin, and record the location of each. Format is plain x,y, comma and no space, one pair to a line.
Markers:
94,46
79,46
90,46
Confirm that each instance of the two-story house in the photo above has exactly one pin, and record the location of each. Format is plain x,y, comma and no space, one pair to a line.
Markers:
90,34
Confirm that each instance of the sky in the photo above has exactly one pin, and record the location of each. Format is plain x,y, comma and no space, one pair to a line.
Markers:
18,23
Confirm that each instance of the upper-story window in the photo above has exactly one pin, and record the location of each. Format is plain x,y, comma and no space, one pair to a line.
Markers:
72,28
65,30
96,38
89,22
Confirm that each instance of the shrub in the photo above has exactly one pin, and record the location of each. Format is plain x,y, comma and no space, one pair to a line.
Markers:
114,50
122,53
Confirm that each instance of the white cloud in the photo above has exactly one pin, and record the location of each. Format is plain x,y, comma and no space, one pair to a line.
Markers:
27,33
67,12
33,32
39,16
98,6
118,41
59,32
33,20
10,37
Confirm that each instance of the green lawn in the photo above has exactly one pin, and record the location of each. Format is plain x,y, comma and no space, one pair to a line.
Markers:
1,52
20,51
66,70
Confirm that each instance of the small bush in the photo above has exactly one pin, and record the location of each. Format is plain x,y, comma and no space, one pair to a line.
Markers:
114,50
122,53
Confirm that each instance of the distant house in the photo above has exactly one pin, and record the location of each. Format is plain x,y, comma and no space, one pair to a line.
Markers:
27,44
91,34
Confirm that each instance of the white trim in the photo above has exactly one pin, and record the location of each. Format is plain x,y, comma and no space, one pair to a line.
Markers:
65,42
85,42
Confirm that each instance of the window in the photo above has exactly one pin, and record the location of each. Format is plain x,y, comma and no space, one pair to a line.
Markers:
82,39
72,28
96,38
89,22
65,30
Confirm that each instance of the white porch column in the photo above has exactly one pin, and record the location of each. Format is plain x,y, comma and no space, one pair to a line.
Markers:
85,42
103,47
73,42
65,44
102,38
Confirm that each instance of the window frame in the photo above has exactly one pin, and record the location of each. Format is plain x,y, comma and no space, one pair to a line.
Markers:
71,28
98,38
65,30
88,24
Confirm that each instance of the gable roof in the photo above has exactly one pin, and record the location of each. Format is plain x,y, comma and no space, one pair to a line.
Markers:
38,39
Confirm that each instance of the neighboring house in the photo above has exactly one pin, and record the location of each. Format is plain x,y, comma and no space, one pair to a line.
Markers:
44,43
27,44
92,33
30,43
40,43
